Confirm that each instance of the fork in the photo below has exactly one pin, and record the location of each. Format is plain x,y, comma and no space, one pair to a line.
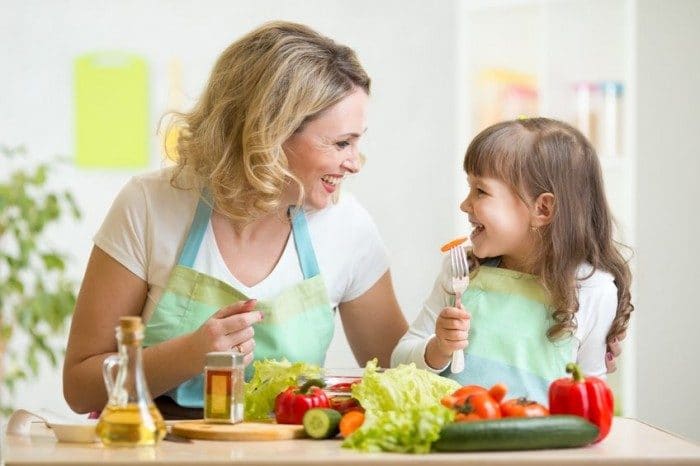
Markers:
460,281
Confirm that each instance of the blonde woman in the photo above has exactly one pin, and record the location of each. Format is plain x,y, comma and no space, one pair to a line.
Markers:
251,210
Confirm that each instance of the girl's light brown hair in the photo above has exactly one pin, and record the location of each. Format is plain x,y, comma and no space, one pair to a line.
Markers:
539,155
263,88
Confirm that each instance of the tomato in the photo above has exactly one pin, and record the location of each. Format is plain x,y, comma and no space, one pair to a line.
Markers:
477,407
468,390
522,407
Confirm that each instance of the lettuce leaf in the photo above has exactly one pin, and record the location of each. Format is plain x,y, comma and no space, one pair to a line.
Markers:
402,409
408,431
401,388
270,378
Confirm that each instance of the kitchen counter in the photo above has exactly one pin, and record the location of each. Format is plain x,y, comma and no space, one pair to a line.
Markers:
630,442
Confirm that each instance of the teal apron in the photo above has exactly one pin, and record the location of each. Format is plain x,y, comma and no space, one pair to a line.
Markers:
297,324
508,343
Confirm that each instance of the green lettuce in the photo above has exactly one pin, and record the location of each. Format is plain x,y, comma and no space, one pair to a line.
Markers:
270,378
408,431
402,409
401,388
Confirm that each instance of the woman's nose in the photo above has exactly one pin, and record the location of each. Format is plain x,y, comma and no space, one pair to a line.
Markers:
352,163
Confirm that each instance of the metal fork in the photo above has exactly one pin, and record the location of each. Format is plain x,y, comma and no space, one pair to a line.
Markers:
460,281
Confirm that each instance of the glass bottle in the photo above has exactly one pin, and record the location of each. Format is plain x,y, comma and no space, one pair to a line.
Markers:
223,387
130,417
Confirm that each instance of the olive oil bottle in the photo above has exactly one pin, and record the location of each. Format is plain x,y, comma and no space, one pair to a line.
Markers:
130,417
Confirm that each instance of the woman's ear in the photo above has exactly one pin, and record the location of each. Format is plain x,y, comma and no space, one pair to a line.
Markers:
543,210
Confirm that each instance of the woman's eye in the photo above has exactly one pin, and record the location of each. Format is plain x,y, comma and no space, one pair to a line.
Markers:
342,144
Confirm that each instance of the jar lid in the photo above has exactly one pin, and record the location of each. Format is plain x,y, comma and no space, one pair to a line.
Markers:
224,359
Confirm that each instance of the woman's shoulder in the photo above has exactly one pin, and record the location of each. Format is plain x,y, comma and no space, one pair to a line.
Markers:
163,185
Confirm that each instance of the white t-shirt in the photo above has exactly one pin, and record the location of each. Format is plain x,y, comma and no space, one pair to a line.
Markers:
147,225
597,297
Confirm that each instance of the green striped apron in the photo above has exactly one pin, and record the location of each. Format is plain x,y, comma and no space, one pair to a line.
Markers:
297,323
508,341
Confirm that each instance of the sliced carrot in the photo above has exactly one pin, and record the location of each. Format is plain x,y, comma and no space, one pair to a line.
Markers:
350,422
453,244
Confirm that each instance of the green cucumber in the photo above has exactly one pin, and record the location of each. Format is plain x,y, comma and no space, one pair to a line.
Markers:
321,423
517,433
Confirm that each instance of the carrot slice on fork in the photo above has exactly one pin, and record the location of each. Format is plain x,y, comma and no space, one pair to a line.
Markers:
453,244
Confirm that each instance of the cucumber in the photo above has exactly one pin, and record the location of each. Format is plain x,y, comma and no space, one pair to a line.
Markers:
321,423
517,433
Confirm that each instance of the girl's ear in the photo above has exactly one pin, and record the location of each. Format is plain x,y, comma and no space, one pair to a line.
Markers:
543,210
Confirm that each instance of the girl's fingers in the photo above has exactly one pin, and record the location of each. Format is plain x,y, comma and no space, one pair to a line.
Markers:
610,363
454,313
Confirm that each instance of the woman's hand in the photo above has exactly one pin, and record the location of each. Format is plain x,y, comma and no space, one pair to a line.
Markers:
451,334
230,328
613,352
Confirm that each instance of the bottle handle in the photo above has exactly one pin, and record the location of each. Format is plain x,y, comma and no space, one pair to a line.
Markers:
107,372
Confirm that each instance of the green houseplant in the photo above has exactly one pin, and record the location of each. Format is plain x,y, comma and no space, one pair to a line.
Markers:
36,296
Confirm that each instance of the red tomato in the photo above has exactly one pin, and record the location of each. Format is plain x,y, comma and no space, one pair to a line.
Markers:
522,407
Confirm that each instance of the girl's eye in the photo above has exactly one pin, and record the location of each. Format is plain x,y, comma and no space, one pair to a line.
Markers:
480,192
342,144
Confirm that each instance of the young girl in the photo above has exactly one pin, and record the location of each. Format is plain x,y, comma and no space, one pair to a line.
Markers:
548,285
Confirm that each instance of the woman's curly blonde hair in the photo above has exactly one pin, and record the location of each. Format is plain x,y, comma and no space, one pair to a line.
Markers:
263,88
540,155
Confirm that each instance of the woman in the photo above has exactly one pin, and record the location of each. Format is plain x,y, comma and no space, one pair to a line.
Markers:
213,253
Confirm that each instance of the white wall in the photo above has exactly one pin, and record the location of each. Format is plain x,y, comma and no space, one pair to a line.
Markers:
668,163
408,48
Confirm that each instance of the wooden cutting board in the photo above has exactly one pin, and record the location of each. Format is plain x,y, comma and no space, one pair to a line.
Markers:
242,431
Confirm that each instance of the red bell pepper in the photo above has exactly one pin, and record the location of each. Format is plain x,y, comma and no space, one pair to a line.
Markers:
294,402
588,397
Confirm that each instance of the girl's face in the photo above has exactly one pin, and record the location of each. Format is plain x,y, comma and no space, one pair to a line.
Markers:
500,221
326,149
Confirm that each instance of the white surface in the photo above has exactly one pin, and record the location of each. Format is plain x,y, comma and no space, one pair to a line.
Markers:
407,47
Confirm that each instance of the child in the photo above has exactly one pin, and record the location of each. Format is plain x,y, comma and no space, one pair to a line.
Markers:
549,285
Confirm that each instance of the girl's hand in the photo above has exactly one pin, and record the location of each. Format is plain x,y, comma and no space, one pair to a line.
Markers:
452,331
230,328
614,351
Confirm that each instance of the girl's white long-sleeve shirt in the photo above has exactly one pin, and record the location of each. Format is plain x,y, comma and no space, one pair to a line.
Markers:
597,297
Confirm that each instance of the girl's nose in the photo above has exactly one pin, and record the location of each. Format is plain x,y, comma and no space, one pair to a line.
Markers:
465,206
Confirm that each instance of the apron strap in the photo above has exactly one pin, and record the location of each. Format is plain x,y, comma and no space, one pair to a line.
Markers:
197,230
300,231
302,241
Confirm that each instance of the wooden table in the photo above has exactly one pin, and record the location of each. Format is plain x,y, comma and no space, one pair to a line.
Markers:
630,442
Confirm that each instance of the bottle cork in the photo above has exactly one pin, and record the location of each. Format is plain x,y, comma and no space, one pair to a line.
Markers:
130,323
131,329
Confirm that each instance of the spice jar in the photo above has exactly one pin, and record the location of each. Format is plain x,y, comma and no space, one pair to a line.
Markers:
223,387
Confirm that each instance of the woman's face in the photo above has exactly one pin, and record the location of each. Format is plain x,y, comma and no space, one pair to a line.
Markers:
500,221
326,149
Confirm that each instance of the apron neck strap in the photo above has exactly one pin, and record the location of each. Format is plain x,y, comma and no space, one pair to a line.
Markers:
300,231
197,229
302,241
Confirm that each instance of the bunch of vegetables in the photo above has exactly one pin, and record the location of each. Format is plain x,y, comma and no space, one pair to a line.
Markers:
581,414
474,403
409,410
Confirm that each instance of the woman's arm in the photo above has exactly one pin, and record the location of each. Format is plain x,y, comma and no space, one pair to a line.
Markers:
110,291
373,322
